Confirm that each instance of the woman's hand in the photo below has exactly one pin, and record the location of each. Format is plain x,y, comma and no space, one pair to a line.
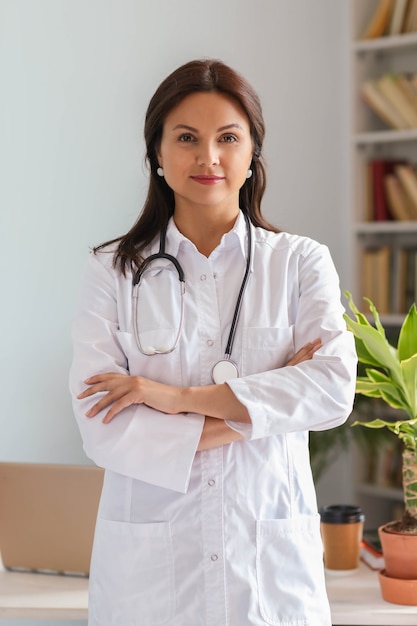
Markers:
122,390
306,352
217,433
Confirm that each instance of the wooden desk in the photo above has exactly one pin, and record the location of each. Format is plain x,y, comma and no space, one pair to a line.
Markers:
355,599
42,596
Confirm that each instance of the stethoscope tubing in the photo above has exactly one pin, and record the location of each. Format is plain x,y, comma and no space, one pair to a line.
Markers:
135,295
163,255
239,301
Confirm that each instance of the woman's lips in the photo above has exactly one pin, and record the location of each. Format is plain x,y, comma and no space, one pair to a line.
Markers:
207,180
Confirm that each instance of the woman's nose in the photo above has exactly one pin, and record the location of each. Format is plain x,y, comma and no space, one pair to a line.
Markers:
208,155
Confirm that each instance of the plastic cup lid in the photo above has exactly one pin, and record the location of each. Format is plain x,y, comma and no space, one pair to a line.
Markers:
341,514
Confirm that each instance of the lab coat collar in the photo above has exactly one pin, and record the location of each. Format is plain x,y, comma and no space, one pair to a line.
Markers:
237,236
240,231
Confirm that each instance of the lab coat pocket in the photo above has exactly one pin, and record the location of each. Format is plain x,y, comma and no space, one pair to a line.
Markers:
266,348
132,574
290,574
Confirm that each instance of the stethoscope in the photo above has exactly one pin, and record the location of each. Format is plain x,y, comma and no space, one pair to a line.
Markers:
226,368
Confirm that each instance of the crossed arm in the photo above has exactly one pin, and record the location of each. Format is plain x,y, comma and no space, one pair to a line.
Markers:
217,402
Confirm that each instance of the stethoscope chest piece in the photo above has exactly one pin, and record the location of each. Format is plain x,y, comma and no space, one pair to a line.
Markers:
223,371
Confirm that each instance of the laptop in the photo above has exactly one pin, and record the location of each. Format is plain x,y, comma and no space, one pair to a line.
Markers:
47,516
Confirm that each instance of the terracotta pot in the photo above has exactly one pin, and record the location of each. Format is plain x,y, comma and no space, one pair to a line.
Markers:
397,590
400,553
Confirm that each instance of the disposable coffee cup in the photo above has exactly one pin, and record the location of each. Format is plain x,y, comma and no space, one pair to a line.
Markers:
341,531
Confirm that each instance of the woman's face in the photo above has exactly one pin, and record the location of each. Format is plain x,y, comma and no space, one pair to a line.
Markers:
205,152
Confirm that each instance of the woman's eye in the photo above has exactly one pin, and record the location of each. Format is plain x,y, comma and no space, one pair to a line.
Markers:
228,138
186,138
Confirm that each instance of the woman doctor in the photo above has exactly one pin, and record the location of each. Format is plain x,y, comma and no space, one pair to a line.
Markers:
196,392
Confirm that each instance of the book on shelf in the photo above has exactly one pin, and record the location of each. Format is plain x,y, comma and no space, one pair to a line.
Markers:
380,169
407,281
408,179
405,85
381,106
380,205
397,18
388,86
398,204
376,277
391,18
390,190
410,19
399,278
389,279
410,285
413,82
393,98
379,20
368,198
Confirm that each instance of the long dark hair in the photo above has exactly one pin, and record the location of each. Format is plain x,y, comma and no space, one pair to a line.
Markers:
196,76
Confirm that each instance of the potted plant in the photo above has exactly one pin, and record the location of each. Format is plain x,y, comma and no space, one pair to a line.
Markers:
391,374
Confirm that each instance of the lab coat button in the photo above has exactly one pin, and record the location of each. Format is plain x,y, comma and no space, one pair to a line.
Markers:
214,557
203,277
210,342
211,482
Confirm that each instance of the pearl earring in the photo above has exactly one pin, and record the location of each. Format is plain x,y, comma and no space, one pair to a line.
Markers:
160,171
249,173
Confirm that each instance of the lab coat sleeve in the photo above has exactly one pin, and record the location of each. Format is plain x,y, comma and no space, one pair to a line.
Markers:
139,442
316,394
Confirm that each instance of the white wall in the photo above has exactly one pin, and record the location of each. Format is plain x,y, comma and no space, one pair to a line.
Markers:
76,76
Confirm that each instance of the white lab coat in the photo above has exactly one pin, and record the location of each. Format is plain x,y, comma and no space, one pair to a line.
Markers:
228,536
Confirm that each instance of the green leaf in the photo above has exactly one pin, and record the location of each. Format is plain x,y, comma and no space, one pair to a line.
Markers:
377,376
409,369
377,423
406,426
378,347
392,393
360,317
376,317
396,399
372,345
403,429
363,354
393,372
388,391
408,333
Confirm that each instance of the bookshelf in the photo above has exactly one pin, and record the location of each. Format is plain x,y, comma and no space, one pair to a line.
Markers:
384,246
